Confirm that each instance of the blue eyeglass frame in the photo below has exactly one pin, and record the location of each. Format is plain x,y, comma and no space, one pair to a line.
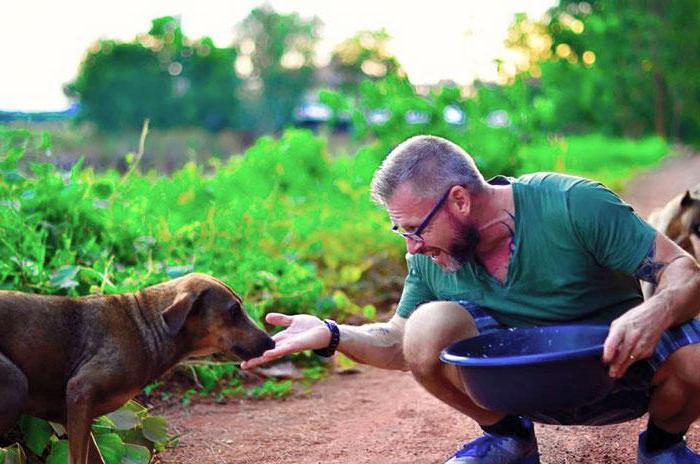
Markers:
415,234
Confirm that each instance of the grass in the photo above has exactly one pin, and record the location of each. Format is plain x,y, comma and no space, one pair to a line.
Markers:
609,160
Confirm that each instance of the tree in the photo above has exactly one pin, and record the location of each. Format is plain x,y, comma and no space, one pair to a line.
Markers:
161,75
363,56
276,58
119,85
628,67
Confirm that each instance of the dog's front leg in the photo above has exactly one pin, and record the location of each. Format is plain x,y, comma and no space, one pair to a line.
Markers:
79,401
13,393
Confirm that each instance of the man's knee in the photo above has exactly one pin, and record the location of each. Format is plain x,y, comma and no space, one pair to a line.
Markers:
675,397
681,366
430,328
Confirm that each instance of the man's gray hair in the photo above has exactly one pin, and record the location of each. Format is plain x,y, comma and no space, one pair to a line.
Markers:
430,164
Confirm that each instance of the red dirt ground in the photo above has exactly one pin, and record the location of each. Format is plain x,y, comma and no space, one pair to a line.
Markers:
384,417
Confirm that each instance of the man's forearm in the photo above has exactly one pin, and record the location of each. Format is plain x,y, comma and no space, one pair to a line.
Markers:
678,293
379,345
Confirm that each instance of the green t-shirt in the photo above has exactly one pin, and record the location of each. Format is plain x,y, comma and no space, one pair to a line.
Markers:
576,247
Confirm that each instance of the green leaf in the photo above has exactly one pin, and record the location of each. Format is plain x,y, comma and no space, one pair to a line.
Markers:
37,433
178,271
124,419
103,189
15,455
207,377
12,455
63,277
112,447
58,429
155,428
136,454
59,453
12,176
103,424
135,407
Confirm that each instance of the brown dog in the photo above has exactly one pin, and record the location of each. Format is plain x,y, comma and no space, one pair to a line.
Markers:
679,219
70,360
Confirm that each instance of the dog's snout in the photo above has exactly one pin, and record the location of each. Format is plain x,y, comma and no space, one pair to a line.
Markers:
248,352
266,344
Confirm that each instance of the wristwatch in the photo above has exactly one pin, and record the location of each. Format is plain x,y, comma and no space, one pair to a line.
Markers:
329,351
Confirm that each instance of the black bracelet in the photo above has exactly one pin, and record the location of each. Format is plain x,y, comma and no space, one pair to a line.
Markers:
329,351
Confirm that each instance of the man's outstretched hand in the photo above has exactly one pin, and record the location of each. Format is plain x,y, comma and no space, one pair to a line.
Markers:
303,332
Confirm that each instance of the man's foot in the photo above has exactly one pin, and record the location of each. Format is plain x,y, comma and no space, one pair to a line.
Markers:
676,454
499,449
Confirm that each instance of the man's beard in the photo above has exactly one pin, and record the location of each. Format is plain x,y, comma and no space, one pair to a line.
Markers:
463,248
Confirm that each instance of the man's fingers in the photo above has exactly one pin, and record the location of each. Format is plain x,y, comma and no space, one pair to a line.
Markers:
278,319
249,364
618,370
280,349
279,336
615,353
624,351
269,355
611,347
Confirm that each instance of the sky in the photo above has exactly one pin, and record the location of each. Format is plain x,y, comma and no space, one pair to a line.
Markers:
43,42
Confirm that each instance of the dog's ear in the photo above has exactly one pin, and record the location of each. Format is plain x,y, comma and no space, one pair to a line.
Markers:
176,314
687,200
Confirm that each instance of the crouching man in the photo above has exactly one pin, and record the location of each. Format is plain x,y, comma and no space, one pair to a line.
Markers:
540,249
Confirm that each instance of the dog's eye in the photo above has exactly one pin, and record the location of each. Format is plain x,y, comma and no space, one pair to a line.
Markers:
235,310
695,229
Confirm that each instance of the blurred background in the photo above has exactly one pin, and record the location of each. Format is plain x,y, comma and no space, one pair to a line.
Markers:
214,76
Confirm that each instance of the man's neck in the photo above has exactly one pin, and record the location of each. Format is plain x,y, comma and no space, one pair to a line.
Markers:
495,219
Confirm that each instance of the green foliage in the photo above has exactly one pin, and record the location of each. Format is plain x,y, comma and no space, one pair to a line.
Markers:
12,455
279,49
271,389
363,56
607,159
126,436
407,114
623,68
162,76
285,225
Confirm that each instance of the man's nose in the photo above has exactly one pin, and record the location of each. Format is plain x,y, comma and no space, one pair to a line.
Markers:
413,246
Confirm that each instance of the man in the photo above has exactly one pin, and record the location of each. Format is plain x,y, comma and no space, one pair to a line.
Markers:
541,249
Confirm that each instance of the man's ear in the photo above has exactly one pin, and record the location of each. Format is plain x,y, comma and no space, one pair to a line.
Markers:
176,314
687,200
462,200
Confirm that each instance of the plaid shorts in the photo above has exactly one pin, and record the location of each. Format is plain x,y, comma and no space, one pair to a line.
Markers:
629,398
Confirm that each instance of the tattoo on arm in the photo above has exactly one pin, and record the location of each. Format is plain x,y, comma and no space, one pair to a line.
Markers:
650,269
379,330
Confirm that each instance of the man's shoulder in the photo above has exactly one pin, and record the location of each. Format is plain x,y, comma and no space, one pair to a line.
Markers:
554,181
567,188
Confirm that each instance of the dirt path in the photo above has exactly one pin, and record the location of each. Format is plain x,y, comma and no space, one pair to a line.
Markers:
384,417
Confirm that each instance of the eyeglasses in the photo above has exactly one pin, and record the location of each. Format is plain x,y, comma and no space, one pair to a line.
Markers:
415,234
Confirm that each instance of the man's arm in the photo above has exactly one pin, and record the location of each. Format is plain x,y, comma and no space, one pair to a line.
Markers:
635,334
377,344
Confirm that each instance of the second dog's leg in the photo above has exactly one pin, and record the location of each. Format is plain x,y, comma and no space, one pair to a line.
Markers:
13,393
